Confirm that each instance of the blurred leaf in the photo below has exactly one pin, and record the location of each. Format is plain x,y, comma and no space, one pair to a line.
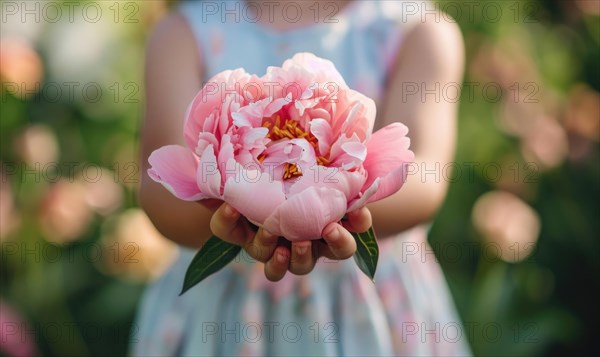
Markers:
214,255
367,252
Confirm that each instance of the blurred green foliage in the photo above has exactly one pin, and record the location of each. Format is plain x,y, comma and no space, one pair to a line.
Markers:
76,304
546,304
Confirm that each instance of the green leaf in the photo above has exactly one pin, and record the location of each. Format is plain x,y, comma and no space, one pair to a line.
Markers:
214,255
367,252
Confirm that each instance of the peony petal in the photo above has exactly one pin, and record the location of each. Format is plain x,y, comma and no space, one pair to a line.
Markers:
205,139
320,113
202,106
336,148
210,124
209,111
253,135
307,152
354,114
225,155
224,118
349,182
355,149
280,152
390,184
305,215
339,155
321,69
366,195
174,167
241,119
321,129
309,91
387,158
276,105
250,115
351,118
230,169
208,175
255,198
292,151
362,123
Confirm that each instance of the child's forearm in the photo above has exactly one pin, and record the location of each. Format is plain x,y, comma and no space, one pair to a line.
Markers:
416,203
171,81
432,54
186,223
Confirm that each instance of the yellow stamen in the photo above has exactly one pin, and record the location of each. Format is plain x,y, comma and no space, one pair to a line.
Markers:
323,161
291,171
261,157
291,129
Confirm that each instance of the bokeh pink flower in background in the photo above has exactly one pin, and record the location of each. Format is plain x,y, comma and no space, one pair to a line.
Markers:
292,150
20,66
508,225
132,248
16,333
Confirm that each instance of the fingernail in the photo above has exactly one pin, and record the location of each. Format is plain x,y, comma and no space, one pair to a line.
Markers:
331,231
281,258
228,210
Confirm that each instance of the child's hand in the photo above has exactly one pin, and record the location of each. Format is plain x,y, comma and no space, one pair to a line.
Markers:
337,242
229,225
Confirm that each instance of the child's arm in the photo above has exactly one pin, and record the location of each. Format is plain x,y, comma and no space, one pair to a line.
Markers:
430,58
172,78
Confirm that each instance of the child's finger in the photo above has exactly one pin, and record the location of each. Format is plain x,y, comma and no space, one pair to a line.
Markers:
323,250
262,246
339,240
302,261
226,223
358,220
277,266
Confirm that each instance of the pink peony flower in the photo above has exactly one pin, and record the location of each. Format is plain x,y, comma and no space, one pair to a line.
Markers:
292,151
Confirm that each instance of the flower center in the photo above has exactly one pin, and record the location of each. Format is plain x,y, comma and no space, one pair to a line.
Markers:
290,129
290,171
